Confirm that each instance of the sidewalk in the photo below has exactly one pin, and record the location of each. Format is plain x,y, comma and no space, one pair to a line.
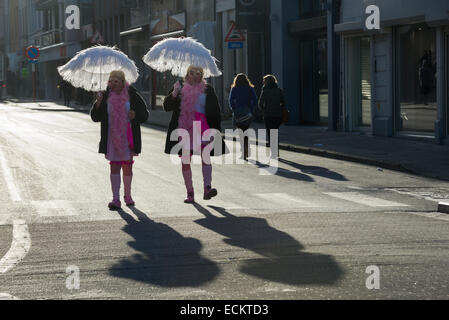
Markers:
421,158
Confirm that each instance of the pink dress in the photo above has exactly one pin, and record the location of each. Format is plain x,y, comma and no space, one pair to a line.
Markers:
111,155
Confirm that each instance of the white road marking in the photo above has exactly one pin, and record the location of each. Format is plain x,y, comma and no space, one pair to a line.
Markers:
432,215
7,296
12,188
54,208
284,198
364,199
224,204
20,246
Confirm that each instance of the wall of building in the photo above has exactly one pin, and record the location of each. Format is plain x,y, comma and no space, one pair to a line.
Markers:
392,12
386,105
285,53
198,10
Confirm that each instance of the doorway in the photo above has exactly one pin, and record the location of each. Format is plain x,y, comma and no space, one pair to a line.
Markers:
314,81
358,83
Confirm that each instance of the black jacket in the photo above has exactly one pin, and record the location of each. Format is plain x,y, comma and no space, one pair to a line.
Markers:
271,101
213,116
137,104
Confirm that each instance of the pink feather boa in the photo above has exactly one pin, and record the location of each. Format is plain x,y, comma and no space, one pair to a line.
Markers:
189,97
119,119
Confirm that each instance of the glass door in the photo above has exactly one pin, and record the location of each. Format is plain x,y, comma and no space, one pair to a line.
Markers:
416,69
323,85
358,83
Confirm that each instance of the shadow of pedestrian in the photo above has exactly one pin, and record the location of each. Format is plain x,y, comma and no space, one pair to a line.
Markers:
165,257
281,259
281,172
315,171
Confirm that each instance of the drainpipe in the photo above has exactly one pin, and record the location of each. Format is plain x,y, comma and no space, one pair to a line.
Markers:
440,123
333,52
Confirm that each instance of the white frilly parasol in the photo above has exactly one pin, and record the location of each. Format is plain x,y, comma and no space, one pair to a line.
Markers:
90,68
177,54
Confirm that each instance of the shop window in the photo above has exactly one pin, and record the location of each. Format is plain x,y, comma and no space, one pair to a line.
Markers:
323,84
416,70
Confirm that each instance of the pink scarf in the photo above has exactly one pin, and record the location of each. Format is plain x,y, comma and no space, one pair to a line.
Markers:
190,95
119,119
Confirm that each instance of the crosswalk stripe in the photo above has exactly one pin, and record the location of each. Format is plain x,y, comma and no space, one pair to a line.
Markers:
12,188
284,198
365,199
7,296
54,208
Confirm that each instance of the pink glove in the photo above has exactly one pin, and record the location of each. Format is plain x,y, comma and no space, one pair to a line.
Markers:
176,89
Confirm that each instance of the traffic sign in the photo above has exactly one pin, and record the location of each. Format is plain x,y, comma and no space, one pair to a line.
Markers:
235,45
32,52
97,38
234,35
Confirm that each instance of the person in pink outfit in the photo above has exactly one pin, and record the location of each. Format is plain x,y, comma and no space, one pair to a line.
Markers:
195,108
121,110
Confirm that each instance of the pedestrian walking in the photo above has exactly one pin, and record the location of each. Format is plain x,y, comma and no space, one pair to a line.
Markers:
192,100
121,110
243,102
66,89
426,78
271,104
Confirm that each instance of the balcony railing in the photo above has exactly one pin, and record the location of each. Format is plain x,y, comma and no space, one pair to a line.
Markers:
48,38
40,4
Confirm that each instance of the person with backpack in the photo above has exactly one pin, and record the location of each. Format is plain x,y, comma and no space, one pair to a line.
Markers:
243,101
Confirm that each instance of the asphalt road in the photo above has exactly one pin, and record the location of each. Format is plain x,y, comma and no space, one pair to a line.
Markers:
314,230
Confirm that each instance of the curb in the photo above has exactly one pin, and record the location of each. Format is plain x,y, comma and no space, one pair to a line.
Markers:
443,207
342,156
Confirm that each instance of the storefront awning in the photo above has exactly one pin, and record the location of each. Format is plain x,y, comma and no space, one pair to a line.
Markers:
135,30
311,25
168,35
59,51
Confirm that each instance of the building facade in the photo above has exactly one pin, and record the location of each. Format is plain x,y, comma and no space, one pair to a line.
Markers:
252,55
339,72
394,79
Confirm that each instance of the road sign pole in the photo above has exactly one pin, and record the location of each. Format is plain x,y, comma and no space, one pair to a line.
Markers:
33,68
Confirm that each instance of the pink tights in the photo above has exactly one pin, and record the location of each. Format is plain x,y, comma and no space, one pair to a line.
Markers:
187,175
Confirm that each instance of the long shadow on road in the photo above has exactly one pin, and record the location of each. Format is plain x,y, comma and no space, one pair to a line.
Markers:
281,258
315,171
165,257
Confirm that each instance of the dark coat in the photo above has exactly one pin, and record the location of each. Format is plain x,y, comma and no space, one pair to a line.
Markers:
213,116
100,114
271,101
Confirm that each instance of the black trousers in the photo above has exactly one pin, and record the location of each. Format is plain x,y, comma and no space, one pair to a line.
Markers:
245,141
272,123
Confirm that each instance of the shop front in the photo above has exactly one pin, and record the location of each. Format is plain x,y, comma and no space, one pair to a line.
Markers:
416,105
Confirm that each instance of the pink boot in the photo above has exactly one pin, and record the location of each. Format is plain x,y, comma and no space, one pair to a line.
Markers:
129,201
209,193
190,197
127,180
115,186
115,205
187,175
